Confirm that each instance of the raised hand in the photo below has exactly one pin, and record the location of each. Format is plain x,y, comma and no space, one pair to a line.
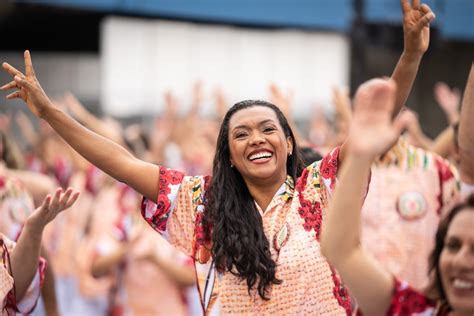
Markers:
416,26
282,100
449,100
51,207
372,130
28,87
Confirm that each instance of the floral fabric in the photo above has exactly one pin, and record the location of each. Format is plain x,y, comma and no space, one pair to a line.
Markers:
292,224
410,191
408,301
7,296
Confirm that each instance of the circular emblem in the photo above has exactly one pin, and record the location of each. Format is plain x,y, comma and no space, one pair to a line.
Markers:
411,205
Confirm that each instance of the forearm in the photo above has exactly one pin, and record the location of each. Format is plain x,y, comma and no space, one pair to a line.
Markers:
180,273
420,139
38,185
25,258
104,264
404,76
341,233
108,156
443,145
466,131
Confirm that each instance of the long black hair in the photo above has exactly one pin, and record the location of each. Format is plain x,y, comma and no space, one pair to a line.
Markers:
239,244
435,288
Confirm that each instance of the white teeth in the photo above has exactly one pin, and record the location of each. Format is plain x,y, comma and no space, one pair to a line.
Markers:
260,155
462,284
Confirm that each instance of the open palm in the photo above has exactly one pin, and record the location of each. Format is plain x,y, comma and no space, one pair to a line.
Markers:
372,129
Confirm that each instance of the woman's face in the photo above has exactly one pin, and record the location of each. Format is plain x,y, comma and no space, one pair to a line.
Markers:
456,262
258,146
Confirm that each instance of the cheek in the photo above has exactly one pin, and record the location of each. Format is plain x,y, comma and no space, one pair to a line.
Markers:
443,265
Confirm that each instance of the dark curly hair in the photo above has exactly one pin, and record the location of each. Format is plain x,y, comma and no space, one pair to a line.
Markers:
435,288
239,244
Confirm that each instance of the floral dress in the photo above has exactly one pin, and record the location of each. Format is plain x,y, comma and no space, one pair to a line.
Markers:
7,292
408,301
292,224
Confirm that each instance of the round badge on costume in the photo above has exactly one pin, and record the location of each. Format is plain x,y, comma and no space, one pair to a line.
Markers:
411,205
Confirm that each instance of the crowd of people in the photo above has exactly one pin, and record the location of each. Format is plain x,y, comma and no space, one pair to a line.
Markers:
361,213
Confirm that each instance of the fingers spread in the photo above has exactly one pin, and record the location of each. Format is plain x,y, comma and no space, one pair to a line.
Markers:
405,6
416,4
72,199
11,70
10,85
21,81
29,64
14,95
55,201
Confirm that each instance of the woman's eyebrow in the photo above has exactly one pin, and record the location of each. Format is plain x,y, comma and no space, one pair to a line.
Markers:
247,127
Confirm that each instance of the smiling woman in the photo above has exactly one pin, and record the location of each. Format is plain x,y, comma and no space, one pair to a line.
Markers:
253,227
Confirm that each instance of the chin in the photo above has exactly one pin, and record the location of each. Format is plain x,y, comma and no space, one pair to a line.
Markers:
464,305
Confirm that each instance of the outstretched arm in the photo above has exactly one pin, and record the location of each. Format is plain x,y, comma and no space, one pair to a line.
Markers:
25,256
466,132
101,152
416,37
372,133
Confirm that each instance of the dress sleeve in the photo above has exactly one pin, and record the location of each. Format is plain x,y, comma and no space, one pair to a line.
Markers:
408,301
173,215
29,300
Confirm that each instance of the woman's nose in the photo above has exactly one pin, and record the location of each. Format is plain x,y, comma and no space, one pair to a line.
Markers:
464,258
256,139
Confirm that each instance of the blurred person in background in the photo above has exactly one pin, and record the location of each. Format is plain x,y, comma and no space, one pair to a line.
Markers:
20,264
377,292
259,217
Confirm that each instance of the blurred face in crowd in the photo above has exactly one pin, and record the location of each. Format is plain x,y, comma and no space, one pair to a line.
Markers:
456,264
258,146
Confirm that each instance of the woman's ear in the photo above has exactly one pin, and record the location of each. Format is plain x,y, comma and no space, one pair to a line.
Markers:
289,143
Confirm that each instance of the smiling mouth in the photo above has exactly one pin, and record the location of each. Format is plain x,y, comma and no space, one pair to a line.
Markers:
260,155
459,284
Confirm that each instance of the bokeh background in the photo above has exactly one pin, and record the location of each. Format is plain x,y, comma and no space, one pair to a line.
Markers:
119,56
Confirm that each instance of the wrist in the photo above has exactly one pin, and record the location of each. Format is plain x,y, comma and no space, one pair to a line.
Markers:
412,55
34,229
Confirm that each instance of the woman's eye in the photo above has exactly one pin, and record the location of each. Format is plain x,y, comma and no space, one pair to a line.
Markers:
240,135
452,245
268,129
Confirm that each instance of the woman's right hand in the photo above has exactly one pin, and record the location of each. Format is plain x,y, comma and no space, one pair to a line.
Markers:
29,88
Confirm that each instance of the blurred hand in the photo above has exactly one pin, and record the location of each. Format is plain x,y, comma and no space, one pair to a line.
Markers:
282,100
449,100
372,130
416,26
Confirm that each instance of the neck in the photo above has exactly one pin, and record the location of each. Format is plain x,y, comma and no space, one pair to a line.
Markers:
263,193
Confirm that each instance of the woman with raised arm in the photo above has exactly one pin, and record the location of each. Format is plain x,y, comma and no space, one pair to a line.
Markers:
376,291
20,263
253,227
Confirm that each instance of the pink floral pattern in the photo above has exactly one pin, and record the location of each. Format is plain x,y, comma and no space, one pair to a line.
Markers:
163,205
329,165
311,213
341,293
407,301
